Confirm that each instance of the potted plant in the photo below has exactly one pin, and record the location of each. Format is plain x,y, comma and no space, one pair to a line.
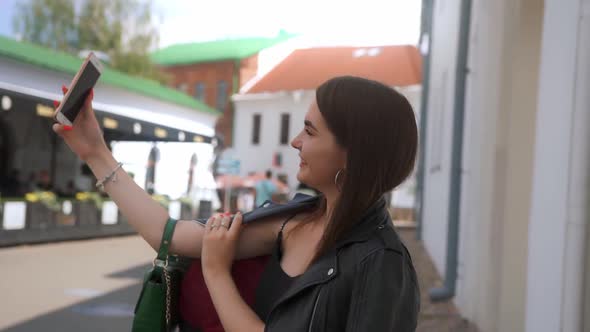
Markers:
42,208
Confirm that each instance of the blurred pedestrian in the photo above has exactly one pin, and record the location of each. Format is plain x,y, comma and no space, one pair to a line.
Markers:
265,189
44,182
150,172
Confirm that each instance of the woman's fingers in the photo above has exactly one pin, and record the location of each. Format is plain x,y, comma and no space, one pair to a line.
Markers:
61,129
57,128
210,223
224,221
88,109
236,224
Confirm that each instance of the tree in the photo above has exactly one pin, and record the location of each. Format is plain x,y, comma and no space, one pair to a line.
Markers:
122,29
50,23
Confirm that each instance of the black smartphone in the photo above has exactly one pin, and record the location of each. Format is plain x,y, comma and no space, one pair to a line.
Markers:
83,82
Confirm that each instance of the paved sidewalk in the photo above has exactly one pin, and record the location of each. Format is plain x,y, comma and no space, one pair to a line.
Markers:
92,286
86,286
439,317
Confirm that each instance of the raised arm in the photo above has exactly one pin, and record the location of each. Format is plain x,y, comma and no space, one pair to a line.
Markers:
144,214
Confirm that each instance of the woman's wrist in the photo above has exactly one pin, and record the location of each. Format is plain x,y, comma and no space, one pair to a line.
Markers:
215,273
101,163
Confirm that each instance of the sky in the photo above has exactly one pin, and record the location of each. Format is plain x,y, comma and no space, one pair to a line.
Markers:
324,22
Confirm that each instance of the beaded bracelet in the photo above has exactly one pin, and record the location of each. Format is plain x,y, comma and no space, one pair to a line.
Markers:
100,184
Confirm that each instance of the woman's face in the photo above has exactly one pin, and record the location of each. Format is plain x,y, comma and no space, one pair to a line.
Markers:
321,157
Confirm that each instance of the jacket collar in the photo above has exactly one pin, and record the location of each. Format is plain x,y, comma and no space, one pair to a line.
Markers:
326,267
375,216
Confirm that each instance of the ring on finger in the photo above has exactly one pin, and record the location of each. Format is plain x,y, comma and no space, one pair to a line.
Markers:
223,224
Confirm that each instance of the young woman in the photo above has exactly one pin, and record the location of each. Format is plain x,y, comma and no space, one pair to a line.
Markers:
341,267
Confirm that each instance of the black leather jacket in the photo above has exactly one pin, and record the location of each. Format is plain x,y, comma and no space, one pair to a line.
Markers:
367,283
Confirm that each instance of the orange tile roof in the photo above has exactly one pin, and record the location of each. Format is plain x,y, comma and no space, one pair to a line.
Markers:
306,69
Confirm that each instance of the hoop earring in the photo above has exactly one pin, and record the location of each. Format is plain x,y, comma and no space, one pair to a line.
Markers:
336,179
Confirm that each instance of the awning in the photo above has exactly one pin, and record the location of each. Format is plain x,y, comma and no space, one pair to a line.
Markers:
118,123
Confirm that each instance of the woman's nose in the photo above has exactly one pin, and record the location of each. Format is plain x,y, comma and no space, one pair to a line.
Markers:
296,143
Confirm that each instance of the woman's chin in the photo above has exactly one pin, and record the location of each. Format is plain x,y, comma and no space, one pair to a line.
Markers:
301,176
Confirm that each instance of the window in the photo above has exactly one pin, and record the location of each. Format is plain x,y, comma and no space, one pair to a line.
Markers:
221,95
181,87
200,91
284,139
256,129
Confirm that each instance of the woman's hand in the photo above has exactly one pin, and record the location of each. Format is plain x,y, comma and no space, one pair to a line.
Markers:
219,243
85,138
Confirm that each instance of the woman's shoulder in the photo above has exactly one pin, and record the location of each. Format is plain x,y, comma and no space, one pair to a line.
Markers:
382,239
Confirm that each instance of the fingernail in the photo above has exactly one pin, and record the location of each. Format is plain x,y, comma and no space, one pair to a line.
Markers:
68,128
63,88
55,103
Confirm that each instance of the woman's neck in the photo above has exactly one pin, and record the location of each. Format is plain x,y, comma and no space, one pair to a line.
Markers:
331,198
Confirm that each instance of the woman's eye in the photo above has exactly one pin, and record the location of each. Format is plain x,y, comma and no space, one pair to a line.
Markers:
308,132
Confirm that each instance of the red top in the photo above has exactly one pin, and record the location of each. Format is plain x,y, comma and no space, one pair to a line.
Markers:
196,307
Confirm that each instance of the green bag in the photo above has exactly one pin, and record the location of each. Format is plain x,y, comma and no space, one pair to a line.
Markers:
157,307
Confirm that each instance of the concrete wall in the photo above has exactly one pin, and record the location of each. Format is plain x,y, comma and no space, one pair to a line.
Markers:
514,156
559,209
500,112
444,37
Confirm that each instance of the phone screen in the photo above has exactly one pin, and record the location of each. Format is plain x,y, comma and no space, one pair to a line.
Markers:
75,101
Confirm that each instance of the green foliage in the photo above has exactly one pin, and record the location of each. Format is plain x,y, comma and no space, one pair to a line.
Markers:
122,29
46,198
89,196
47,22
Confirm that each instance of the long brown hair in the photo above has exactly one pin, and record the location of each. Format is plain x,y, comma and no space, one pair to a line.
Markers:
377,127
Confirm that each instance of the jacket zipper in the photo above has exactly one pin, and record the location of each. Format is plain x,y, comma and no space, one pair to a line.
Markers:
315,306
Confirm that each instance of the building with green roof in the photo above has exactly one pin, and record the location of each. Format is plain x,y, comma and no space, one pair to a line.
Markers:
214,70
216,51
66,63
127,109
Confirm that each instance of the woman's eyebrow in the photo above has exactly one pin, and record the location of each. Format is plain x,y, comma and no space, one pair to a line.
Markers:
309,124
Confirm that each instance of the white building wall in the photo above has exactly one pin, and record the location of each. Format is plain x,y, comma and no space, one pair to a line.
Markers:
477,280
500,110
444,38
404,196
258,158
559,211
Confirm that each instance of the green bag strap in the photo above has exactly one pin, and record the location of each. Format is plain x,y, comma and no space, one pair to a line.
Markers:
166,241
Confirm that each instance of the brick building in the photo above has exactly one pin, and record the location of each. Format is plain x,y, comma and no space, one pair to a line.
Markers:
212,71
